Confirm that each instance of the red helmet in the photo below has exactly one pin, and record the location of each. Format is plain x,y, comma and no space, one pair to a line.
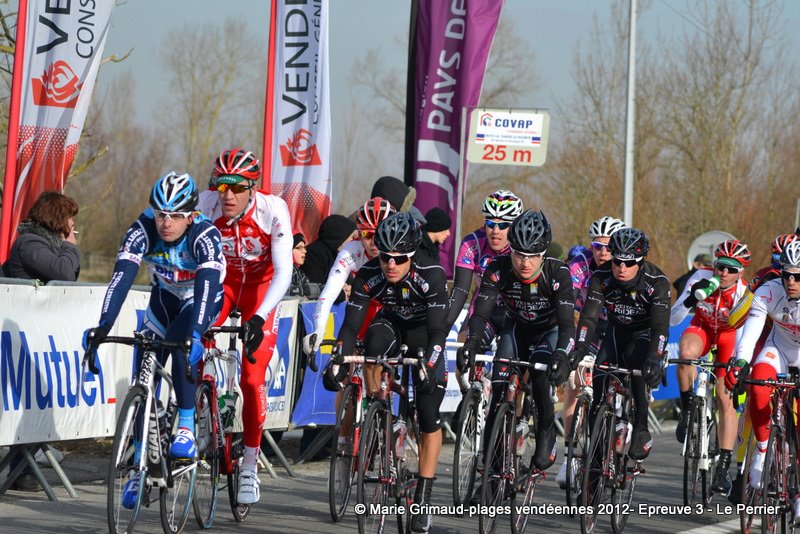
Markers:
777,246
733,248
236,162
372,212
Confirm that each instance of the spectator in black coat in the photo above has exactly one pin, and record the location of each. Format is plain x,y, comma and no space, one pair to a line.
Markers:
300,286
435,231
700,261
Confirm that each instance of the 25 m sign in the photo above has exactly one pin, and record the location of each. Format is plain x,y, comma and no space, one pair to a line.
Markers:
508,137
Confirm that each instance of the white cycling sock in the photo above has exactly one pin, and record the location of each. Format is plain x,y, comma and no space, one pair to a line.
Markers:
250,459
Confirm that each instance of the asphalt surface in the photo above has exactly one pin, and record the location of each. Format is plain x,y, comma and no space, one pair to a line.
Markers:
299,504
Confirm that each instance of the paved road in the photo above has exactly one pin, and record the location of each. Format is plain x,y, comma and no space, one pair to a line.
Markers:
299,505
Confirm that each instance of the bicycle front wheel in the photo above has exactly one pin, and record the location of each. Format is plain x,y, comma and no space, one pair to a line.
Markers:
695,480
773,483
342,470
597,466
498,469
207,481
465,455
176,501
374,475
235,447
123,470
622,491
577,448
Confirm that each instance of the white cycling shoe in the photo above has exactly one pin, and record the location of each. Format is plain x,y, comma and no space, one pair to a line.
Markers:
756,467
249,492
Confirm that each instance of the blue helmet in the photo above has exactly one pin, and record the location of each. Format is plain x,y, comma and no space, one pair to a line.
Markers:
174,192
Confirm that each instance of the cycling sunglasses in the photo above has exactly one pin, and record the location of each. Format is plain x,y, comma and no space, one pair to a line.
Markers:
171,215
597,245
731,270
627,263
499,225
399,259
793,276
366,234
524,256
236,188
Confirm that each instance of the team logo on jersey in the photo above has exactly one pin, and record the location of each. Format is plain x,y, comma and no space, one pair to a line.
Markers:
251,247
494,276
633,295
556,285
484,262
404,293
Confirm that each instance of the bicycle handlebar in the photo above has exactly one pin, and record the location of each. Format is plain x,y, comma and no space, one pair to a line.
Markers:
610,368
137,340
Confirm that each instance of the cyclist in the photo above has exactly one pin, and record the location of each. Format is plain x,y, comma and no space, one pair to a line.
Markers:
414,306
709,327
636,296
352,256
257,242
477,251
183,253
539,304
779,300
581,269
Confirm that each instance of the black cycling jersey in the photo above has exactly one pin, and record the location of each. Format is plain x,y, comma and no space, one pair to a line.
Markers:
641,304
537,306
420,298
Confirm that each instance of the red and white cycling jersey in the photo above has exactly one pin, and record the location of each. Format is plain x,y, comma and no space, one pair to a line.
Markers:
712,313
350,259
770,300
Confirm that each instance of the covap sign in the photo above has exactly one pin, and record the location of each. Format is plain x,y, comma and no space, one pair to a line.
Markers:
508,137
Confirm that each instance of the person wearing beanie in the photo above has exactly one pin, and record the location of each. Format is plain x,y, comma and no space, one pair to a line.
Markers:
435,231
399,195
300,286
334,232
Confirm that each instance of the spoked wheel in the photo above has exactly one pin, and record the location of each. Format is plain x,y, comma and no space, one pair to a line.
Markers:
748,521
207,481
123,507
622,491
498,471
374,475
176,501
235,445
343,460
695,481
597,464
773,483
465,455
577,447
521,503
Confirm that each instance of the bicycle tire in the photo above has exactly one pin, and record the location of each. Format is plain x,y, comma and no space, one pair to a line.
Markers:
750,497
343,459
408,470
496,487
596,488
467,449
694,480
175,502
373,462
577,448
207,478
622,492
773,482
234,443
121,469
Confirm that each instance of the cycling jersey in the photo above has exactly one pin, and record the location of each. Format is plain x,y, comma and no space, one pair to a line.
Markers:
580,269
712,313
536,306
350,259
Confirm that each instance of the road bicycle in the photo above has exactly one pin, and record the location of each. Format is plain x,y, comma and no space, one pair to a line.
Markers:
140,455
578,433
609,474
220,445
503,475
700,446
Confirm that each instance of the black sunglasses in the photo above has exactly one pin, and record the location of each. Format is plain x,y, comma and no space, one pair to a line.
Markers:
626,263
399,259
786,275
732,270
499,225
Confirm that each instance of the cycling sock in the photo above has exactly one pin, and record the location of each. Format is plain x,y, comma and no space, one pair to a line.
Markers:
725,452
186,418
686,396
250,458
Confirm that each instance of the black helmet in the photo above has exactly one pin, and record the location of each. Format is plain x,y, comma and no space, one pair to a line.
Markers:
629,243
530,233
398,233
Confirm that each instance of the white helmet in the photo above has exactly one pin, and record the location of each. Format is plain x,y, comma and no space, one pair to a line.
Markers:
503,205
604,227
790,257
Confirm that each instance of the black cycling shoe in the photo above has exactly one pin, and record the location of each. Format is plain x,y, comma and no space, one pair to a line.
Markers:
546,451
736,494
680,430
422,522
641,444
722,478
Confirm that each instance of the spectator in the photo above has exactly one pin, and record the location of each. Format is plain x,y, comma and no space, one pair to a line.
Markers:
555,250
399,195
301,287
435,231
701,261
44,250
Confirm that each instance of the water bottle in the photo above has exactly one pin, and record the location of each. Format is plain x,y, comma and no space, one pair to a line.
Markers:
400,439
522,434
227,410
622,437
702,294
702,380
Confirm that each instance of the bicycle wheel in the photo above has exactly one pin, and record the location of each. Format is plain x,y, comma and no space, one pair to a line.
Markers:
498,472
122,515
176,501
624,484
374,476
773,483
235,445
467,448
577,447
597,464
750,497
207,481
342,469
695,480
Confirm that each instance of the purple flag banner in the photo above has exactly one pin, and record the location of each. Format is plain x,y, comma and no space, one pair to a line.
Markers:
453,40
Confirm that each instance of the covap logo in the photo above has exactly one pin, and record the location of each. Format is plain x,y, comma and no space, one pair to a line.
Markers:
300,150
58,87
486,119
